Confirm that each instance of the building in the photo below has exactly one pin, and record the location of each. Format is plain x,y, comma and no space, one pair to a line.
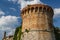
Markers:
7,37
37,22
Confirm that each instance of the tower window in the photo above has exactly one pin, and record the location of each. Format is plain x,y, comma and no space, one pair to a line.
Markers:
32,9
36,9
40,9
51,10
25,11
28,10
44,9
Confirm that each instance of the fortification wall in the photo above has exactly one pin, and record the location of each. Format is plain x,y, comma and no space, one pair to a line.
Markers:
37,18
38,35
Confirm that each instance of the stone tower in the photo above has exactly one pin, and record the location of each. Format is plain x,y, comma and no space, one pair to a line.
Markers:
37,19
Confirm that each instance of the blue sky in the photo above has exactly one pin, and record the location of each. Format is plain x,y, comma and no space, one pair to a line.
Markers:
10,15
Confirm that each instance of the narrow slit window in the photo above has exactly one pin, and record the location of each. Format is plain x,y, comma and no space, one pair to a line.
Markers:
28,10
25,11
48,9
36,9
40,9
44,9
32,9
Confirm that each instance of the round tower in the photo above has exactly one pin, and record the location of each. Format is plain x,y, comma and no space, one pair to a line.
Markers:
37,19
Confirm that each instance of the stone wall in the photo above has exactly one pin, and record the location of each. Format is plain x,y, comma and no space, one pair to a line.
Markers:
37,17
38,35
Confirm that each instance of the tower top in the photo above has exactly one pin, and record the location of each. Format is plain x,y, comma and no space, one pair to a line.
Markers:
42,6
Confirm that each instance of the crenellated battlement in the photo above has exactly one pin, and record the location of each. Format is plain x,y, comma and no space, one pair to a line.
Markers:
37,19
37,8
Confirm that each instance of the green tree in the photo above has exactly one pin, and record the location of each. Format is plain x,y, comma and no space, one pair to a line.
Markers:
18,32
57,33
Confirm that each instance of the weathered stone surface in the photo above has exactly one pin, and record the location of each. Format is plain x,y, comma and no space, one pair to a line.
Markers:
38,35
38,17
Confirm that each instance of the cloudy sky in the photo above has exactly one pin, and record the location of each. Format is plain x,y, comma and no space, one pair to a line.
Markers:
10,14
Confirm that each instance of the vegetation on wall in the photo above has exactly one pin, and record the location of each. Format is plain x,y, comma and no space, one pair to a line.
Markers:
18,32
57,33
26,30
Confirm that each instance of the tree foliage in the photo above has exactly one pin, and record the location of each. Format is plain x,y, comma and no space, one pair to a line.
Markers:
17,35
57,33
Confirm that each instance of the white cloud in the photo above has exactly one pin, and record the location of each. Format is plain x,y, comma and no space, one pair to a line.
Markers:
12,31
57,17
8,21
13,9
13,1
1,12
24,3
4,28
57,12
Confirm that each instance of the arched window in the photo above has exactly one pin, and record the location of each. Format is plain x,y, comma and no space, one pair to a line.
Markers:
47,9
40,9
32,9
28,10
25,11
36,9
51,10
44,9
